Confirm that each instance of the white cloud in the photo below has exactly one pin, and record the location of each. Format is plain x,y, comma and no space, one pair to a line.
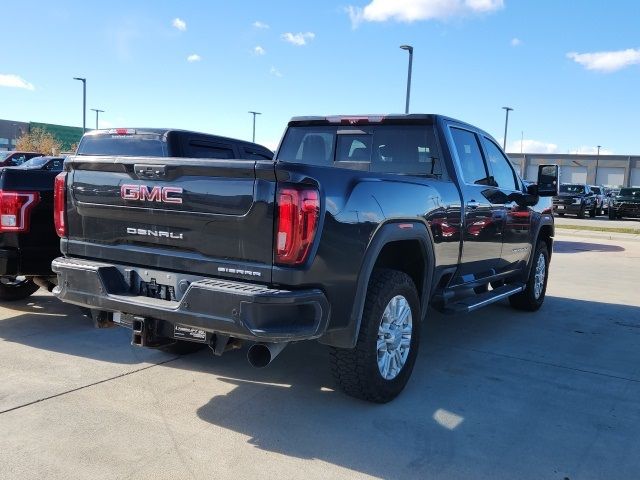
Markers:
516,42
15,81
588,150
259,24
258,50
298,39
194,57
275,72
414,10
607,62
179,24
531,146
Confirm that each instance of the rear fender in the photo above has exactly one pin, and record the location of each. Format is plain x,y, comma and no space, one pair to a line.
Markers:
386,233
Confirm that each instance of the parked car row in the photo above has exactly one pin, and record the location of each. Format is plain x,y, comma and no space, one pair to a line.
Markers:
581,199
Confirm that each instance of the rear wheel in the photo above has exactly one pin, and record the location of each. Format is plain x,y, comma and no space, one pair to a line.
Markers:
612,214
593,211
532,297
16,288
380,365
581,212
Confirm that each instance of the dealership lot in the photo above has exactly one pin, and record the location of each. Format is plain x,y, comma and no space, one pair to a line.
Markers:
496,394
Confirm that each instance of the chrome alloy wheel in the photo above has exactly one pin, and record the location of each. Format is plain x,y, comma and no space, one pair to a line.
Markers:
394,337
541,271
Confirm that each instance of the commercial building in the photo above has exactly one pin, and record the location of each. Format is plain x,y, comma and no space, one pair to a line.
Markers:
11,130
607,170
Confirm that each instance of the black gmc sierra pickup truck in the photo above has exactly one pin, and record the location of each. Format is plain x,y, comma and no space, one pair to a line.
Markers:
348,236
28,241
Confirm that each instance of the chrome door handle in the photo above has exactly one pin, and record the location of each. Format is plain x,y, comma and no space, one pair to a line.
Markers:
472,204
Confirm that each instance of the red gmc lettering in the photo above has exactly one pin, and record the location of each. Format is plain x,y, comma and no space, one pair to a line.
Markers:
167,190
154,194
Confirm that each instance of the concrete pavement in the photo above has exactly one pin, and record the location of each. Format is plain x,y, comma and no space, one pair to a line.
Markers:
497,394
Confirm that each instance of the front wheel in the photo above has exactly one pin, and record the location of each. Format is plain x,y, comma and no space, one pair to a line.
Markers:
593,211
532,297
379,366
581,212
16,288
612,214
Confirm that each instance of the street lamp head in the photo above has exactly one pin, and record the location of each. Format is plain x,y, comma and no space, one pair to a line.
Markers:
407,47
80,78
508,109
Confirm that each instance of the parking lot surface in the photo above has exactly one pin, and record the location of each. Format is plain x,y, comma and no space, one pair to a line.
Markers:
495,394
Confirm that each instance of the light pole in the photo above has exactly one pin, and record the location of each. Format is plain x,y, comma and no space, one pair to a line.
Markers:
98,111
408,48
597,164
506,125
254,125
15,135
84,102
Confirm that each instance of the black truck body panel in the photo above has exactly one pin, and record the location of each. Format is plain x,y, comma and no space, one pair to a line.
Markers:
464,234
30,253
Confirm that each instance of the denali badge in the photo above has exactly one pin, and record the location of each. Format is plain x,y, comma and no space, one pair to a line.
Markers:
154,233
154,194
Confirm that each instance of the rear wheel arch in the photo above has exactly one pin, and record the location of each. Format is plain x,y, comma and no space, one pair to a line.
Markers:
386,250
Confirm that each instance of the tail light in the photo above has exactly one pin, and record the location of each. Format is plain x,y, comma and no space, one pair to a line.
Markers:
15,210
60,204
298,211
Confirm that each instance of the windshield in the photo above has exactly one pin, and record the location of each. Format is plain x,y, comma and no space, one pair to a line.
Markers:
572,189
630,192
35,162
4,155
141,145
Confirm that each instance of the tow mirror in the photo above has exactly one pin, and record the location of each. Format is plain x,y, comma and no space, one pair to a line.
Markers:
548,180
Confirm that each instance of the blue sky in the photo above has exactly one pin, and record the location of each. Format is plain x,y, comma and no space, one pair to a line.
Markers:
571,70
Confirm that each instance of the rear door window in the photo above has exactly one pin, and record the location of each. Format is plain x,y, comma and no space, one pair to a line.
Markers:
474,170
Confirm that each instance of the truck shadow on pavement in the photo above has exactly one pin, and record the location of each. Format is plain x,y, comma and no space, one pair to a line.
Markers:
565,246
43,322
487,389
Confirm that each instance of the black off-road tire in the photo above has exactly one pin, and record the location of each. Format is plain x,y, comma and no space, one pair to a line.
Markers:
526,300
11,289
612,214
561,214
580,213
356,370
593,212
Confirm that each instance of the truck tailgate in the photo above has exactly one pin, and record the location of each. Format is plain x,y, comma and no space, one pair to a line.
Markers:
202,216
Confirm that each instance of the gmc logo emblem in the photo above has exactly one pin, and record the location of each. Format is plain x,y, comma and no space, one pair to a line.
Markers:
154,194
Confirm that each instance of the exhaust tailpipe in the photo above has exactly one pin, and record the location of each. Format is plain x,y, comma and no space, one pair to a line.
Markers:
262,354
